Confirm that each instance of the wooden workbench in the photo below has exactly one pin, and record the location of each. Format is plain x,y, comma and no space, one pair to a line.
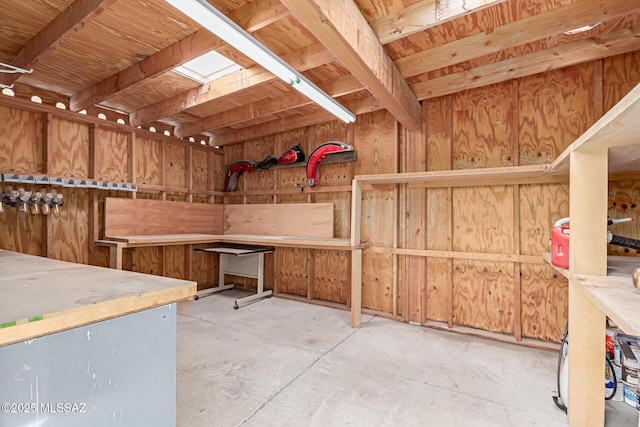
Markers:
41,296
118,243
81,345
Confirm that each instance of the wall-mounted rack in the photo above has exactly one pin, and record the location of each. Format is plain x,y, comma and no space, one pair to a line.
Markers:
67,182
338,157
328,158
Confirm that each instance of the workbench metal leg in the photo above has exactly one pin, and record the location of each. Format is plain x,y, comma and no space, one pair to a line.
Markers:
261,292
221,286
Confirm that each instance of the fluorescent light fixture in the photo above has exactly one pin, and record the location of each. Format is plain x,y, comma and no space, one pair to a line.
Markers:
314,93
581,29
216,22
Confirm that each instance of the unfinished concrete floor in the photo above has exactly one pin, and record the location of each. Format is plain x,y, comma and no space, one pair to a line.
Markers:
284,363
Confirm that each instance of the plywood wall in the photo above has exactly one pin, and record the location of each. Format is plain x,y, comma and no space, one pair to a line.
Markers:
68,145
523,122
484,242
486,271
319,274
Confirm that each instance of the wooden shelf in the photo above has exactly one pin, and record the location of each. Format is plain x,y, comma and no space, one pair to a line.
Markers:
293,242
613,294
292,190
599,286
191,239
332,157
617,130
463,177
139,241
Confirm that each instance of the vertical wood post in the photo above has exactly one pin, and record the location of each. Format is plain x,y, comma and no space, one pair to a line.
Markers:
94,224
515,159
356,255
588,255
46,161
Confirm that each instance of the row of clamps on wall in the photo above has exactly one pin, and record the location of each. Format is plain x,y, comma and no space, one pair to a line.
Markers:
35,202
67,182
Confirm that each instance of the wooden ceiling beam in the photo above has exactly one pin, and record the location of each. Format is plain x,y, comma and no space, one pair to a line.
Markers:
294,99
619,42
69,22
302,59
361,106
424,15
192,46
251,17
341,28
516,33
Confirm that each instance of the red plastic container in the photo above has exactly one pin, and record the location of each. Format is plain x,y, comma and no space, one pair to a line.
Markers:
560,243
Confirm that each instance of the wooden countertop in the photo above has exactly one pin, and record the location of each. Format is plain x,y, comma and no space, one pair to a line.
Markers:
292,242
164,239
614,293
278,241
42,296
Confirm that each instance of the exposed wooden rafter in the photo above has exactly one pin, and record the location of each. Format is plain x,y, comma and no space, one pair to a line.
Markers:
301,59
565,55
423,15
317,33
72,20
167,59
513,34
341,28
251,17
361,106
335,87
577,52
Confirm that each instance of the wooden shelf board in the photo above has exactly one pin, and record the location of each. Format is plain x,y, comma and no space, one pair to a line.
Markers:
564,271
617,129
291,242
474,177
457,255
292,190
333,157
165,239
42,296
614,293
191,239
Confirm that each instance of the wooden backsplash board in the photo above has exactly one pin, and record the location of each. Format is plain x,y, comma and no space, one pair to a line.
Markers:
132,217
292,219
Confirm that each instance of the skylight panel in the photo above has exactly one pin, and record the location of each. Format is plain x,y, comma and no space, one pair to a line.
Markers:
207,67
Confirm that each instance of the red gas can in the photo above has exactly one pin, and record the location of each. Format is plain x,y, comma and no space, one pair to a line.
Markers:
560,243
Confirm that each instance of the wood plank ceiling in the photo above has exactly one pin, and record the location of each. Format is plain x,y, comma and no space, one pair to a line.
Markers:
118,55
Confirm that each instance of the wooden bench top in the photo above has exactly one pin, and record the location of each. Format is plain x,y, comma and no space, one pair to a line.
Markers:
189,239
135,241
292,242
42,296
